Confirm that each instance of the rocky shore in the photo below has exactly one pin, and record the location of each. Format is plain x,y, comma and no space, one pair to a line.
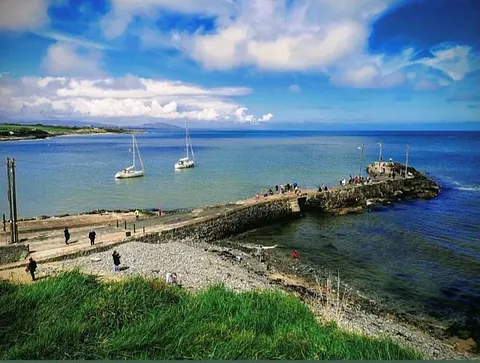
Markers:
199,264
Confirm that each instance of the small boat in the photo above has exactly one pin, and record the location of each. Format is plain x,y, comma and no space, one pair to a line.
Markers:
186,162
130,172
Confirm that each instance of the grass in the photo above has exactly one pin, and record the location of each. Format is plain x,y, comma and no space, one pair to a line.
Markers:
42,131
76,316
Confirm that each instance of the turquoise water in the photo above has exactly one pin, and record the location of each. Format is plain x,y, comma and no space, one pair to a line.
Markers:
422,257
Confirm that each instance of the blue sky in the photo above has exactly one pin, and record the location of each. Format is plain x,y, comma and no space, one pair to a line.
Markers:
255,63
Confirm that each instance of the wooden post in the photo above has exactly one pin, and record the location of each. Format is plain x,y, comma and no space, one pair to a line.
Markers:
143,229
117,223
125,224
9,194
134,228
14,203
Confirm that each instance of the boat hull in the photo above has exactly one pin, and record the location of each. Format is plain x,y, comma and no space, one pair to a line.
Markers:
130,174
185,165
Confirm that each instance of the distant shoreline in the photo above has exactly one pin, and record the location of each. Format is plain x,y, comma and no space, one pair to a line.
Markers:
18,132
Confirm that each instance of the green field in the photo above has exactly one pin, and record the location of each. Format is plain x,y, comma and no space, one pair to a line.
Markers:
76,316
43,131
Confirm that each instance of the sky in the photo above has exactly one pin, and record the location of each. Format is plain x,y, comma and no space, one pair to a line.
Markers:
252,63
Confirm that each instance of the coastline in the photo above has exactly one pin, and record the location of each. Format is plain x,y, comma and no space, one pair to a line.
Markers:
23,138
39,132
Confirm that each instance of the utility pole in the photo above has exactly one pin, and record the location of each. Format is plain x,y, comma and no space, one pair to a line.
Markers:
14,202
406,162
380,144
361,158
9,195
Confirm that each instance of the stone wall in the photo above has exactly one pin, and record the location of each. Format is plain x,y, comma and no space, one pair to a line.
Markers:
228,224
13,253
356,198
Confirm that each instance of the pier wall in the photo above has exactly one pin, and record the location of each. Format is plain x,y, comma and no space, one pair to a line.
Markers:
356,198
230,223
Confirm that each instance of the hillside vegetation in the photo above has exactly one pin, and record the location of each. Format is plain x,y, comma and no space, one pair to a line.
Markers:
42,131
76,316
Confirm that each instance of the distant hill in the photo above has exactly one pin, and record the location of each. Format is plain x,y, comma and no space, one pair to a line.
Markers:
161,126
68,123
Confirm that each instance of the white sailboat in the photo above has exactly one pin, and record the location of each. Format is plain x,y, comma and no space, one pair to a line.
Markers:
130,172
186,162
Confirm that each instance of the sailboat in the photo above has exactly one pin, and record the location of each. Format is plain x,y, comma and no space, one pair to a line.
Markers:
130,172
186,162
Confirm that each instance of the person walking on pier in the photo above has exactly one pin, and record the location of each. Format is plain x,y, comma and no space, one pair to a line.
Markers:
116,261
31,267
67,235
91,236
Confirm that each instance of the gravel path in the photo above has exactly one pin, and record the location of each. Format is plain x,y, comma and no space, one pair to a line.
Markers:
195,264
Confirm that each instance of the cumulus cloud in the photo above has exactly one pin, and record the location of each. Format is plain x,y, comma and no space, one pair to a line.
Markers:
65,59
327,36
121,98
19,15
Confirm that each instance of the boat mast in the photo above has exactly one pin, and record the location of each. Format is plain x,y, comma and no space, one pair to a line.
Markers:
133,149
139,155
191,147
186,136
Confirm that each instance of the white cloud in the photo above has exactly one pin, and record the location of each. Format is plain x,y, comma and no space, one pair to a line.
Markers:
65,59
123,12
368,76
266,117
243,116
121,98
295,88
455,61
272,35
328,36
18,15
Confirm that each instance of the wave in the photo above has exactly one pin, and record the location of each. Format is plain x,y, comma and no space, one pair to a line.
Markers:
474,188
459,186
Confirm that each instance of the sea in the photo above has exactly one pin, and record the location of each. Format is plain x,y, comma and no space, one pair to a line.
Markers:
418,257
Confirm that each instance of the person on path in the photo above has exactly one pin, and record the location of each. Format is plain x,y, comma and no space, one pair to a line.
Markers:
91,236
137,214
31,267
260,253
116,261
66,233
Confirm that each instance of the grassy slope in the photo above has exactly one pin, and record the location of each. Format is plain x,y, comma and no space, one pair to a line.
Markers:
49,130
74,316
